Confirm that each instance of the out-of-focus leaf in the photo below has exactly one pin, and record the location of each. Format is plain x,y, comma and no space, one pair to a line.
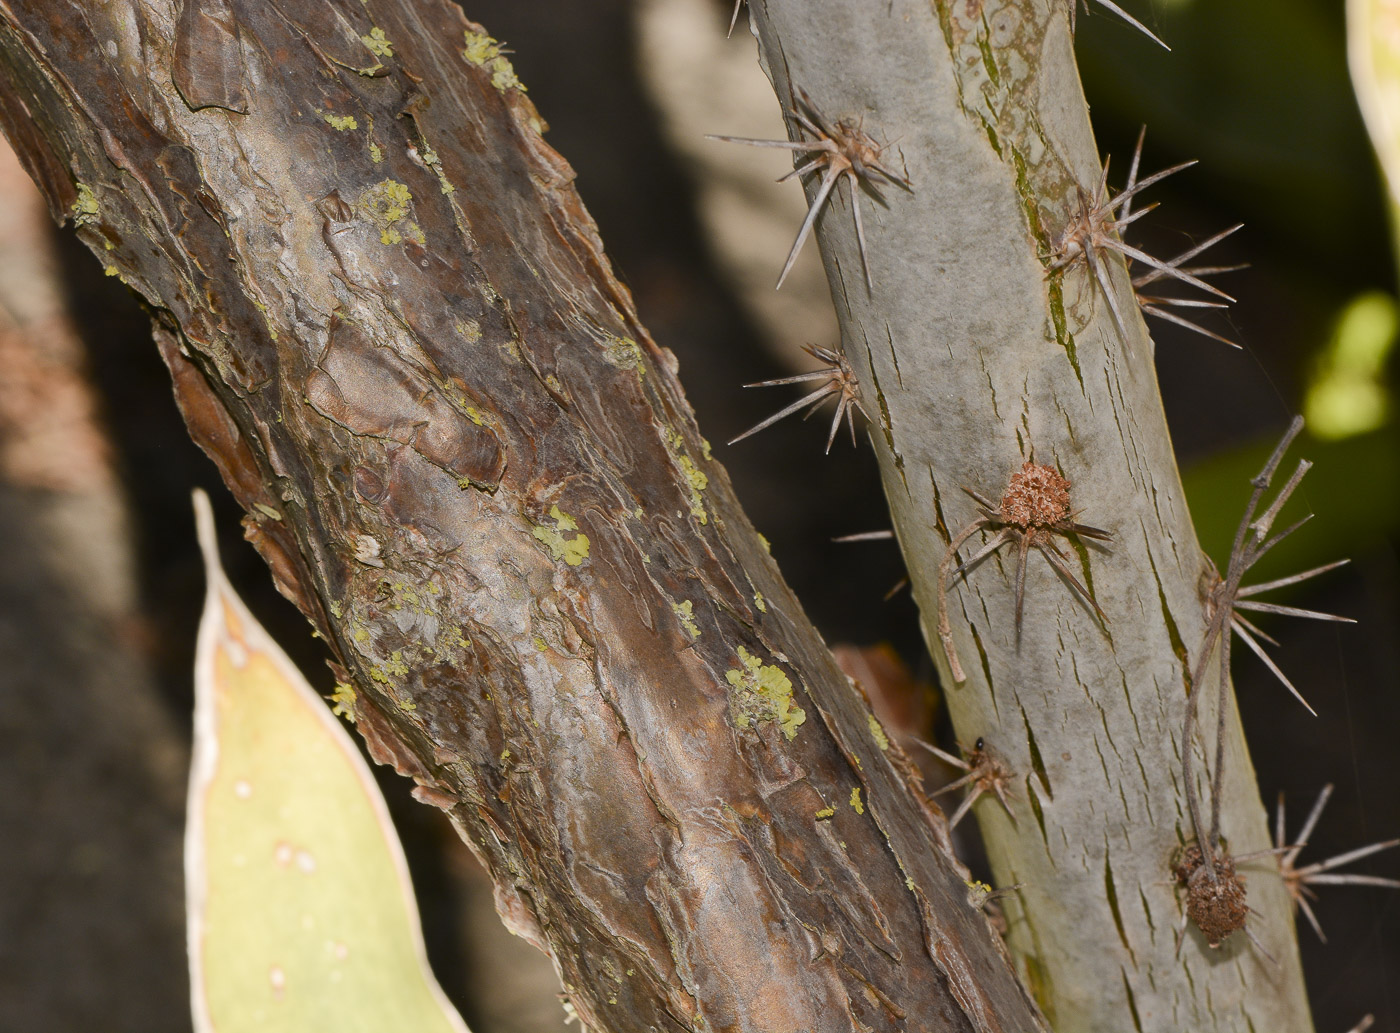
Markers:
1353,489
1373,52
1348,394
903,704
301,915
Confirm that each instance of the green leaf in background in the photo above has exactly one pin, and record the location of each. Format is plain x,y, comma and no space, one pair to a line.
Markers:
301,915
1347,393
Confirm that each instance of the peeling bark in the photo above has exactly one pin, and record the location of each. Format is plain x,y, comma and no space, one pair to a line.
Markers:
972,360
389,321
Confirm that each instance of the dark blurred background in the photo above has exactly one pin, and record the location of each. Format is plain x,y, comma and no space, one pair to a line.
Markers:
96,638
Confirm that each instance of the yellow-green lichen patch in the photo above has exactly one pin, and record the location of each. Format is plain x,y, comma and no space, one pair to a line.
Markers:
767,546
856,805
430,159
84,209
684,612
375,154
474,415
343,701
881,739
762,692
625,353
403,595
388,204
696,478
826,812
758,601
487,53
699,480
344,123
541,646
978,892
470,330
377,43
572,551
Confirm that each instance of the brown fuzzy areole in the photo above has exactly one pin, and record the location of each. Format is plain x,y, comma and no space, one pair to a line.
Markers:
1215,904
1037,496
1032,511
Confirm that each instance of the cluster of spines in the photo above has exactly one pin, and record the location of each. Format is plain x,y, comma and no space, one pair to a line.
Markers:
842,149
1033,511
837,379
1095,228
837,149
1215,873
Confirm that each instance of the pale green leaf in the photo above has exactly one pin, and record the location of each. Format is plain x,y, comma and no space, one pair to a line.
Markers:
301,915
1373,53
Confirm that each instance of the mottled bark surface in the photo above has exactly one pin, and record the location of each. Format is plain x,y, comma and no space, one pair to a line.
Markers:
972,359
390,323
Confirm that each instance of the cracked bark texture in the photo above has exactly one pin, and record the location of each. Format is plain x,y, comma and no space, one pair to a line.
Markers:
972,360
390,323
